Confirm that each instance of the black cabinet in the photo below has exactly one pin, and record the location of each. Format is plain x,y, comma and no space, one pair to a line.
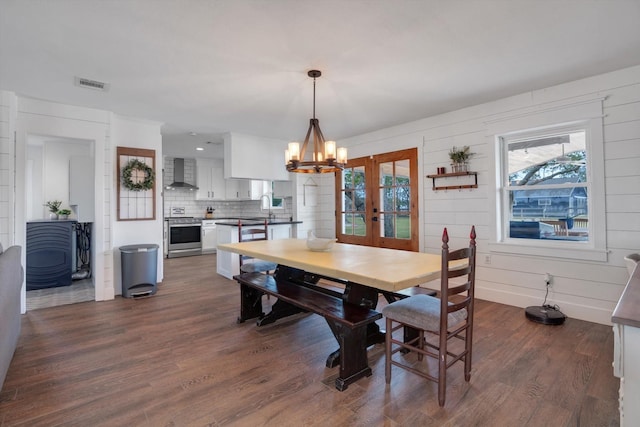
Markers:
50,252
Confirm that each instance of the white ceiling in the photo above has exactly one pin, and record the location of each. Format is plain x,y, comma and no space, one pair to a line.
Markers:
210,67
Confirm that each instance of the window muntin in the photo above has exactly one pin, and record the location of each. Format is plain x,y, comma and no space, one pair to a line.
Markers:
395,194
545,186
354,202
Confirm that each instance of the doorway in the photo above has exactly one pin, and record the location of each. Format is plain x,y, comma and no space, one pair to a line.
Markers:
377,201
58,250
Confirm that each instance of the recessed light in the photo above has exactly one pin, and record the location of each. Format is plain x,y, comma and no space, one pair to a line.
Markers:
199,149
192,133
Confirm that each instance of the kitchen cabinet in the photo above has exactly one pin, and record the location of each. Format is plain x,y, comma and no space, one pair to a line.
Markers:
227,263
244,189
209,236
280,231
210,179
282,188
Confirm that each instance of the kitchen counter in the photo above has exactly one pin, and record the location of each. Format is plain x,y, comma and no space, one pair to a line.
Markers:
627,312
233,222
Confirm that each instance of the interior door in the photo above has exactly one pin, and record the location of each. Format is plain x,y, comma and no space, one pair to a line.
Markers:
377,201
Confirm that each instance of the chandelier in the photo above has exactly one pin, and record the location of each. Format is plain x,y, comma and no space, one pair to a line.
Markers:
322,156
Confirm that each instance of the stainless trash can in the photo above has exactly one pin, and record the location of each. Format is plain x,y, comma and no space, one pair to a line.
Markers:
139,270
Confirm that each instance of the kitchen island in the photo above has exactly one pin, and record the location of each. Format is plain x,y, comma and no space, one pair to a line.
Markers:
228,264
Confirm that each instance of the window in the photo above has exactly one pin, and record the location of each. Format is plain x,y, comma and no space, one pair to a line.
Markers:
549,182
546,185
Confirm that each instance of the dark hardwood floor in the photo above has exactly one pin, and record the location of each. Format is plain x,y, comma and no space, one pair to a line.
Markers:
179,358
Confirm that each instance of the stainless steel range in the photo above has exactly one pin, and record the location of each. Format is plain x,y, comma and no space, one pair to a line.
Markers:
185,237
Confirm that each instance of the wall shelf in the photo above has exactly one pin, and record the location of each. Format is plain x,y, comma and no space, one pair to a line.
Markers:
453,175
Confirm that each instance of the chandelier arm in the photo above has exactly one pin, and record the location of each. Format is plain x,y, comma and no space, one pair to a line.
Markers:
318,142
305,143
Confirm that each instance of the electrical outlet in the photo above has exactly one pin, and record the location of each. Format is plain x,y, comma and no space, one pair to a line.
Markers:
547,279
487,259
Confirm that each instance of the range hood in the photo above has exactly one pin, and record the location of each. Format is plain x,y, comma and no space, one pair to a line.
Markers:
178,177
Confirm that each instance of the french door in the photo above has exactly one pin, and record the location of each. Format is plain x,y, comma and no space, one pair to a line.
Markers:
377,201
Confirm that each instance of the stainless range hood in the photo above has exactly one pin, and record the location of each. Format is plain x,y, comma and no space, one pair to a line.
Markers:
178,177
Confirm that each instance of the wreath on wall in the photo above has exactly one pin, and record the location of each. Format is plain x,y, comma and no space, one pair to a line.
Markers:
131,178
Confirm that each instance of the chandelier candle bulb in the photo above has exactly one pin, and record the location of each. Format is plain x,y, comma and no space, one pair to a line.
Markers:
294,151
330,149
342,155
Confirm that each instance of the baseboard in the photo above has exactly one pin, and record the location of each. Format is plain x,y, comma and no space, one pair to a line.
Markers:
570,309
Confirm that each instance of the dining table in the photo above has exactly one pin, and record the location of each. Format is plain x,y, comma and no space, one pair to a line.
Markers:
363,273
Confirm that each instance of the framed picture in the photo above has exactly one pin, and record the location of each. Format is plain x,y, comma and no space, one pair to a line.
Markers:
136,195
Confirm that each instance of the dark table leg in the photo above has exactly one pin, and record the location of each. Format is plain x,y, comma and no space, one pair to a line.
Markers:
363,296
250,303
353,357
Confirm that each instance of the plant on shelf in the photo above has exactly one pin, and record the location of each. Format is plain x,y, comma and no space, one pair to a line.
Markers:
53,206
460,158
64,213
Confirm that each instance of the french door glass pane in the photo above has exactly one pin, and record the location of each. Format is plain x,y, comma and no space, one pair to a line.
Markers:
395,199
354,202
402,172
403,227
387,225
386,195
347,224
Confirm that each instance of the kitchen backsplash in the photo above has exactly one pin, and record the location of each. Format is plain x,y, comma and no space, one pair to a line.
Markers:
223,209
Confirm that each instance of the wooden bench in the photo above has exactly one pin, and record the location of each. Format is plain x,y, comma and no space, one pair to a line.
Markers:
348,322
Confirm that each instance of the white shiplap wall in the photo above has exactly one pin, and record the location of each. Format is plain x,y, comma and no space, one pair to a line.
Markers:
586,290
7,158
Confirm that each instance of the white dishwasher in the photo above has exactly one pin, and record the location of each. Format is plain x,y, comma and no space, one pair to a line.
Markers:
209,236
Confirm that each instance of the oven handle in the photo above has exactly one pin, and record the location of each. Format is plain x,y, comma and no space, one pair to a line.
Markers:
185,225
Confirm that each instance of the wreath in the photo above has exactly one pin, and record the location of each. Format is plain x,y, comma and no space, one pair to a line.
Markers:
137,165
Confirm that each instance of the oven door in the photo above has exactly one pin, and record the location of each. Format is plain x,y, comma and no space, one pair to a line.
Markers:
184,240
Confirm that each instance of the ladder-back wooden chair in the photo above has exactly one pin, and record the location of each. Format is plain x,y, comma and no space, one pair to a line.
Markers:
422,313
249,234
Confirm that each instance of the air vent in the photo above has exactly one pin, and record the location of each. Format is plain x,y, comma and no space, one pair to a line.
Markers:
91,84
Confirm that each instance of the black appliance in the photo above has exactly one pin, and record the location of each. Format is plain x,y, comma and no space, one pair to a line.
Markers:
185,237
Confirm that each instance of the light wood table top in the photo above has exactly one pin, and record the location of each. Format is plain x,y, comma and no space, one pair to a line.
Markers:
385,269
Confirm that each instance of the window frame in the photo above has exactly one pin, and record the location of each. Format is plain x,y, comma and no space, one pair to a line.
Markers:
585,115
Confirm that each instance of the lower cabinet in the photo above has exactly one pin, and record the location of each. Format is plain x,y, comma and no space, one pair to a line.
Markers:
227,263
625,366
50,253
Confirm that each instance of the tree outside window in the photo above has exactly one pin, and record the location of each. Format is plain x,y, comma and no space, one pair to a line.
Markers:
547,186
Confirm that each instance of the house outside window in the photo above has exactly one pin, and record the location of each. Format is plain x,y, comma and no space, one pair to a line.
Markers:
546,183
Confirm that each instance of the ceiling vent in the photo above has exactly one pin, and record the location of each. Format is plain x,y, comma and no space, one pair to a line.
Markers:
91,84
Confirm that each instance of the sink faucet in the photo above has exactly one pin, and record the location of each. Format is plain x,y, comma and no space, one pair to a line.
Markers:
269,204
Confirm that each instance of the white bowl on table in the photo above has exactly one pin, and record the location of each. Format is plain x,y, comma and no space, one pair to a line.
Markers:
319,244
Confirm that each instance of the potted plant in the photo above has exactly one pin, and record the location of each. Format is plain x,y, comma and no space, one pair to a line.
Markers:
64,213
459,158
53,206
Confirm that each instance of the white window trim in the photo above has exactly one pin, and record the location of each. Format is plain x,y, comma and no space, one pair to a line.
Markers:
589,115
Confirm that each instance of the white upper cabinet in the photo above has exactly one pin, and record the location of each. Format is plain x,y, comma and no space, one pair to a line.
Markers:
252,157
210,179
244,189
282,188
